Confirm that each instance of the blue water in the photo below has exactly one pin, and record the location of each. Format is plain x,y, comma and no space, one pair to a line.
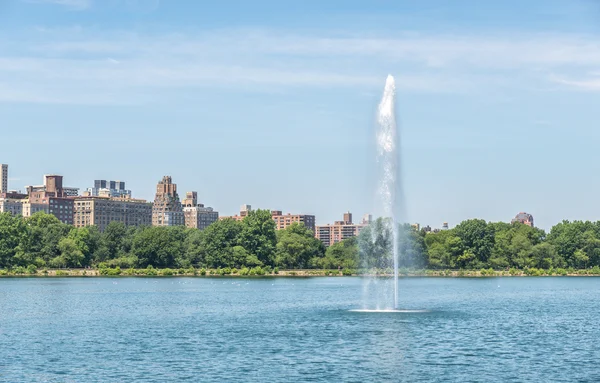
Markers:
297,330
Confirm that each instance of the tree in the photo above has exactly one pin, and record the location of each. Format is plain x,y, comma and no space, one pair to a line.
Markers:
296,246
217,244
158,246
375,244
342,254
71,253
258,236
12,230
478,238
544,256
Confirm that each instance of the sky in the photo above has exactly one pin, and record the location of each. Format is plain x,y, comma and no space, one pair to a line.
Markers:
273,103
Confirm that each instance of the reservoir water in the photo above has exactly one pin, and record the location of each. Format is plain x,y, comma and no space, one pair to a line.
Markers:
298,330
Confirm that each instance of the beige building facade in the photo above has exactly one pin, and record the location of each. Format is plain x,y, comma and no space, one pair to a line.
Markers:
100,211
167,209
3,178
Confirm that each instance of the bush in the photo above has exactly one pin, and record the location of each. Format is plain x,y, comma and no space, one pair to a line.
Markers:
110,272
181,271
62,273
203,271
234,271
32,269
348,272
167,272
244,271
276,270
3,272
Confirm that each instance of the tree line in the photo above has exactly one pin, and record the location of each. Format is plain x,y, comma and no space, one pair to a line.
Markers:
42,241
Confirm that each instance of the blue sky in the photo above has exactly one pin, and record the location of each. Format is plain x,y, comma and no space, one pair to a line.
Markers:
272,104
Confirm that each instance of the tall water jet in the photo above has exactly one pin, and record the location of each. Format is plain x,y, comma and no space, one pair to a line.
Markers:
387,157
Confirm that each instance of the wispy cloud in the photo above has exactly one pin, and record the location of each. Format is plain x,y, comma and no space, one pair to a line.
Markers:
86,66
591,83
72,4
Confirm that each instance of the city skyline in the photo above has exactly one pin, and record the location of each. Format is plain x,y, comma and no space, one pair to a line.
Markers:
497,106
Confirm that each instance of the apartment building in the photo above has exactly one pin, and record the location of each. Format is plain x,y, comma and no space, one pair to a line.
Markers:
100,211
340,230
196,215
105,188
167,209
283,221
50,198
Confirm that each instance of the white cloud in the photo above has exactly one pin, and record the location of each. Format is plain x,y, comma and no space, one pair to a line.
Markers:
72,4
588,84
87,66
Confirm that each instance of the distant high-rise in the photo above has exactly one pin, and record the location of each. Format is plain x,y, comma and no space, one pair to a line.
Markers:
196,215
105,188
445,226
340,230
283,221
524,218
3,178
101,211
167,209
348,218
51,198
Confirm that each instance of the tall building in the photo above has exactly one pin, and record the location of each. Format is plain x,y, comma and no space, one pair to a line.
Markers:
53,185
50,198
348,217
340,230
3,178
283,221
524,218
104,188
167,209
100,211
196,215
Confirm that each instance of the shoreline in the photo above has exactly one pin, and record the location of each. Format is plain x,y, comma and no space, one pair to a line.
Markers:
219,273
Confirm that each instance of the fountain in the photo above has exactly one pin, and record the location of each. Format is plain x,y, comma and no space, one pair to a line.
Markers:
387,143
377,290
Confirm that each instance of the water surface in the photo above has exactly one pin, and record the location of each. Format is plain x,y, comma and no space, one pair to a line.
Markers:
296,330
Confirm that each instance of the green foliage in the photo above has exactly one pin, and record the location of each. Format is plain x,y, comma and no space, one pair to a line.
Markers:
254,247
296,246
258,236
167,272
